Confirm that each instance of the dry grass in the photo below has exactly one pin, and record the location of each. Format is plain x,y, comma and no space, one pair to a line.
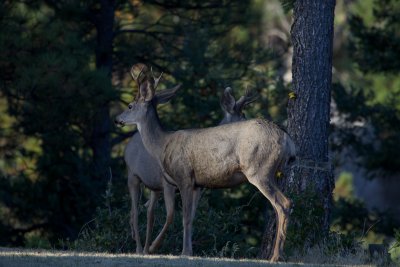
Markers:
24,257
316,255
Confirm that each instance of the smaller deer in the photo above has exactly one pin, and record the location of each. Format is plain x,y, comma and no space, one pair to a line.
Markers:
216,157
143,169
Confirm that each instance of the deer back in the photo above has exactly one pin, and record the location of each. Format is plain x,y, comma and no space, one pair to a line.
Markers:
213,155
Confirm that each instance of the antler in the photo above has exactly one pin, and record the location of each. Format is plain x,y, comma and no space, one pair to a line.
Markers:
149,82
156,80
247,98
137,79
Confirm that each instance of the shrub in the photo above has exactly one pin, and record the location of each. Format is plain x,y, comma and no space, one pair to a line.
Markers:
217,232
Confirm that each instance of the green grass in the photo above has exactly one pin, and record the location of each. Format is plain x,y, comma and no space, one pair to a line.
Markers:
11,257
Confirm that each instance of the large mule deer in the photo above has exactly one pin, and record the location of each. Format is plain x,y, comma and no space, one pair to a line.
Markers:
143,168
216,157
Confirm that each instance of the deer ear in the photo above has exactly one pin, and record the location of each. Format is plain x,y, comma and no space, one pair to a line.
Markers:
228,101
146,92
165,95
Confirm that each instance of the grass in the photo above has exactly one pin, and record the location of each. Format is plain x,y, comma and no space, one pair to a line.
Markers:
11,257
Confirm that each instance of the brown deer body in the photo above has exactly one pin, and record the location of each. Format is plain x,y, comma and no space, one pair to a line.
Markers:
142,168
216,157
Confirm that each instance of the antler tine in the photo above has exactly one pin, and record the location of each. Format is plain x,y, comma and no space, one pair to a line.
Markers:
133,75
248,97
156,80
248,93
136,78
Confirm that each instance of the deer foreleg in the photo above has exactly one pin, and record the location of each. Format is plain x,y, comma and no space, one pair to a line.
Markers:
134,190
150,219
169,199
196,199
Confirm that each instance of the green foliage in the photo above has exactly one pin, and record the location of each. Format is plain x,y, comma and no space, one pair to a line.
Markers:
371,108
107,232
217,232
397,237
377,47
380,146
301,234
50,91
215,48
352,217
374,46
287,5
53,90
306,215
395,249
337,243
300,243
52,94
36,240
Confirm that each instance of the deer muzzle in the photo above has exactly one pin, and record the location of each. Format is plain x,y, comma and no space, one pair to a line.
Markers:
119,122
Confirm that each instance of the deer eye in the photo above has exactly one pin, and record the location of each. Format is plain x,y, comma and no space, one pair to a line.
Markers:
130,106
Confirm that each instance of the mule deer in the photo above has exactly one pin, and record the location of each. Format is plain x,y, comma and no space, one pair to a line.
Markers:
142,168
216,157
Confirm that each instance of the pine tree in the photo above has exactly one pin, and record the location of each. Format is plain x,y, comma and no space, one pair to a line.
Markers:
64,64
309,182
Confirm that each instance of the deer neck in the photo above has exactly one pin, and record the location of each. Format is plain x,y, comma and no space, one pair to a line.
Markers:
152,133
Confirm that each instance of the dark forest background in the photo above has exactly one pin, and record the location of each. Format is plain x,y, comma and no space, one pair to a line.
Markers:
64,75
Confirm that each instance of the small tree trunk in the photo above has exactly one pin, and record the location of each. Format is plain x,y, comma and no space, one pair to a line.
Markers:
101,144
310,181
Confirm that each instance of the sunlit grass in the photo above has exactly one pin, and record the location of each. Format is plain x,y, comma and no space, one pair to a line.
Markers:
23,257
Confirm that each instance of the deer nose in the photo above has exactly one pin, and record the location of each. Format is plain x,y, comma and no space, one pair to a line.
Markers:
119,122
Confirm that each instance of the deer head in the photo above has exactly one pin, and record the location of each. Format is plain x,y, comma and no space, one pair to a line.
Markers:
234,109
147,84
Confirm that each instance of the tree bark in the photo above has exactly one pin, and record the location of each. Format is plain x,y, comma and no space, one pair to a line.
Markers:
101,143
310,180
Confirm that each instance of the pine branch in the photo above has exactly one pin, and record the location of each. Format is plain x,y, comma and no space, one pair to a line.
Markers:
287,5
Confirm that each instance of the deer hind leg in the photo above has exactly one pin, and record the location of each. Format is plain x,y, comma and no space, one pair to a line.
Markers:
150,219
187,214
169,199
281,205
134,191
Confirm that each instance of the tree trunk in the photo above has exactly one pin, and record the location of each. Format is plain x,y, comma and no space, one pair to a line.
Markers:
309,182
101,144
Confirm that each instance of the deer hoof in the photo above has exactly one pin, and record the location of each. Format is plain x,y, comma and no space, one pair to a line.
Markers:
274,259
187,253
152,249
